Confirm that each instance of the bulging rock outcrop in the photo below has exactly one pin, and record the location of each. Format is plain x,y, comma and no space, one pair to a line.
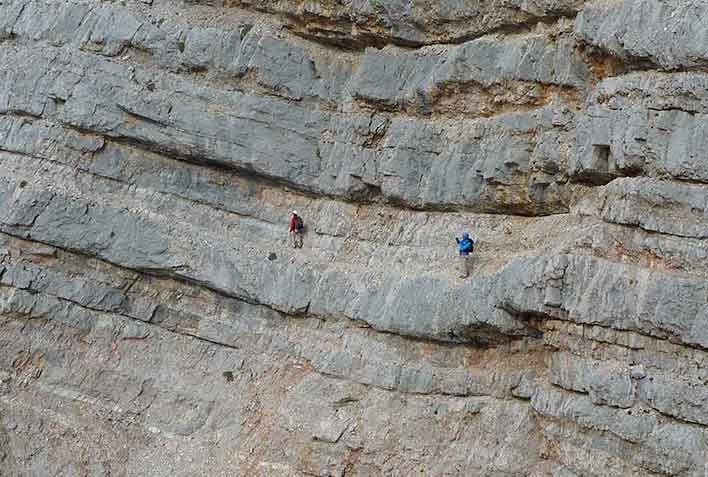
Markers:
154,320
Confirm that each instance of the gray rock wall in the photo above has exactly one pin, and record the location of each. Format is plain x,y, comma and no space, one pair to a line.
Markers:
154,320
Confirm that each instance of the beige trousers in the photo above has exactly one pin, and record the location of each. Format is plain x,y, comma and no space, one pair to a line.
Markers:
465,265
296,239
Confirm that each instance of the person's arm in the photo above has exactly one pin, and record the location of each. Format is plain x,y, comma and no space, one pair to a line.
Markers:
457,240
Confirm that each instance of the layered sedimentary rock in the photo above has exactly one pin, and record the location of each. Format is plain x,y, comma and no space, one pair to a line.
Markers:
154,320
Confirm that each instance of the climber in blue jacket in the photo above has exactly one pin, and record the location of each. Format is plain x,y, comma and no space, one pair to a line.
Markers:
466,247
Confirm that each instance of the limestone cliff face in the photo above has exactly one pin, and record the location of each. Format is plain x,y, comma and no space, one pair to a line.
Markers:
153,320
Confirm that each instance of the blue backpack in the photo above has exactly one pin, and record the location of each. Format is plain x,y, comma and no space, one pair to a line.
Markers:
466,245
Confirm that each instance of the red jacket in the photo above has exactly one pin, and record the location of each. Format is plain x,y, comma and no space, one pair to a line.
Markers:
293,222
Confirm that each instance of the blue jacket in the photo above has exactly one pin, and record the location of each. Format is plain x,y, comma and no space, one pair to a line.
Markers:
466,245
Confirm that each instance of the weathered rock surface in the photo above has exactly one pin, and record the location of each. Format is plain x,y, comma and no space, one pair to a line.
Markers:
651,124
669,35
154,321
407,22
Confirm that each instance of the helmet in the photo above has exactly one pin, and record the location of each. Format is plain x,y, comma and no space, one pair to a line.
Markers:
295,212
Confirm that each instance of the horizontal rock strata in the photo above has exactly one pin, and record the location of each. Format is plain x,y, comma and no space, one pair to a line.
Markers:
155,321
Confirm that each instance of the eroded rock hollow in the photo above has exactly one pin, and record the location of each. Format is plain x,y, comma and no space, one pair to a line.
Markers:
155,322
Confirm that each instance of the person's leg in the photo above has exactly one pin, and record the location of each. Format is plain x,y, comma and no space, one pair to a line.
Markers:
468,265
292,239
299,239
463,266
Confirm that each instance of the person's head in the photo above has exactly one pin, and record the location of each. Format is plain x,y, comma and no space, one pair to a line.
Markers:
294,212
465,235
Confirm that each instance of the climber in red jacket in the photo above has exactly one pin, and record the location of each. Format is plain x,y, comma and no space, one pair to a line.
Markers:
297,229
